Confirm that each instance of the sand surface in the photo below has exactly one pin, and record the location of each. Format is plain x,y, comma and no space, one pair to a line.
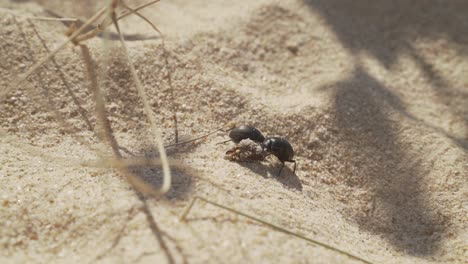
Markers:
373,96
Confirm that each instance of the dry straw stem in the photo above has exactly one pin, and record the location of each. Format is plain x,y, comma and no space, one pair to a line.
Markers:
148,111
107,133
61,19
38,64
76,37
101,162
49,105
107,22
135,11
99,100
169,76
279,228
200,137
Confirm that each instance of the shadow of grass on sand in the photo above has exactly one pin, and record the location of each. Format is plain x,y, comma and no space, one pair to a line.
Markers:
387,30
379,163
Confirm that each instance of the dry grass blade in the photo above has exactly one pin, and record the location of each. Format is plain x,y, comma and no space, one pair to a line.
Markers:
105,126
137,9
134,11
279,228
101,162
149,113
49,104
107,134
169,75
197,138
75,37
60,19
38,64
107,22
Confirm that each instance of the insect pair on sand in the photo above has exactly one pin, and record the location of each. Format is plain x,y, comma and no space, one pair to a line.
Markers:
251,145
270,145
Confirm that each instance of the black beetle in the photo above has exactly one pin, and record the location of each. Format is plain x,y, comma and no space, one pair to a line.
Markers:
281,148
244,132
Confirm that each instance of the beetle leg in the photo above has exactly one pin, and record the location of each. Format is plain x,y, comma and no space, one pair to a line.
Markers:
293,161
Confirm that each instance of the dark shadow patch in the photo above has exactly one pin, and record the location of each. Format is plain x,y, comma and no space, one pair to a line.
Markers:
182,179
287,177
455,100
387,29
383,28
377,161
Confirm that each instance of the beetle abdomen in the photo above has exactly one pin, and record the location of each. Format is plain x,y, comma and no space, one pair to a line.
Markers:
246,132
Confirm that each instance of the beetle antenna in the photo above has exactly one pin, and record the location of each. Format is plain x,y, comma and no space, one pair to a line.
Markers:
200,137
223,142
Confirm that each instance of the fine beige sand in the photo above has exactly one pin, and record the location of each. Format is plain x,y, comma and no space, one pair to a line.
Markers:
373,96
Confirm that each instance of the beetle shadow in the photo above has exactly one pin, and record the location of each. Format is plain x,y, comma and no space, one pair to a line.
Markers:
287,178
